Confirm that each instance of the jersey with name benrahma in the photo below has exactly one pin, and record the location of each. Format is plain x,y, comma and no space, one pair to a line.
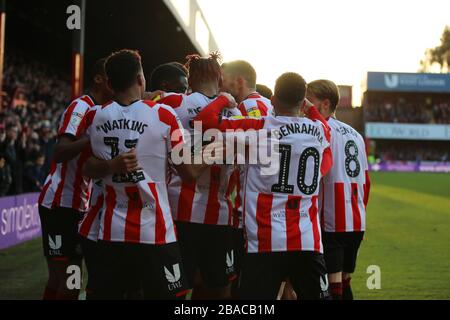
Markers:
207,199
280,205
136,207
345,190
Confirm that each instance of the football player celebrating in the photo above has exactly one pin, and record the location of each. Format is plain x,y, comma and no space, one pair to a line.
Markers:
137,233
202,208
280,208
65,195
239,79
344,192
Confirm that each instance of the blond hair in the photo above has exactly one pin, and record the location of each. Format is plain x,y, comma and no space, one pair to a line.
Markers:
325,89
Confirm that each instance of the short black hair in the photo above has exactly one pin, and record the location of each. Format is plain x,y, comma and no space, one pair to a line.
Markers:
241,68
122,67
290,88
264,91
166,72
97,69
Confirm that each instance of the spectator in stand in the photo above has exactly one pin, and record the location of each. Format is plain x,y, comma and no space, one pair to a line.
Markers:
409,109
14,150
34,174
5,176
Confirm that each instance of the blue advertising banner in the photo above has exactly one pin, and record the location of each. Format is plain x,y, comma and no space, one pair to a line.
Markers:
19,219
408,82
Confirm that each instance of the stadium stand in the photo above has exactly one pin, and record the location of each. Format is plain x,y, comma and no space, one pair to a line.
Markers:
34,96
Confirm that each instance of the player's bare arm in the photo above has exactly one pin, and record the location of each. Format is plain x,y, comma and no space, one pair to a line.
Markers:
68,147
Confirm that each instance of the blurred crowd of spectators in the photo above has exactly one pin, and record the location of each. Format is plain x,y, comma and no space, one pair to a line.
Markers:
33,99
409,109
413,151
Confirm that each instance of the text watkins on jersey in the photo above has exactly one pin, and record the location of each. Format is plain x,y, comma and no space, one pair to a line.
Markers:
122,124
297,128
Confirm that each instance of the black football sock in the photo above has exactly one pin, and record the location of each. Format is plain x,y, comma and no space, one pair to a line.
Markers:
336,290
347,293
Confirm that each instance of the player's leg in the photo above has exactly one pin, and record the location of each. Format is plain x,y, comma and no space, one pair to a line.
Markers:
90,256
288,292
353,242
187,240
111,270
308,275
162,272
239,253
216,257
334,260
61,249
262,274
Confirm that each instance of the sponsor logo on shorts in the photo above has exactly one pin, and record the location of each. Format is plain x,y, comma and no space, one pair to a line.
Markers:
55,245
173,279
324,286
230,262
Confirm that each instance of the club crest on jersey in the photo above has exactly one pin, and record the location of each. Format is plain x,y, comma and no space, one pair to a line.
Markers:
55,245
173,279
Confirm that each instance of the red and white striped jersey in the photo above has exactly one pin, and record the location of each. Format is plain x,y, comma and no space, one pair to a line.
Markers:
65,186
89,226
281,208
136,207
345,190
256,106
206,200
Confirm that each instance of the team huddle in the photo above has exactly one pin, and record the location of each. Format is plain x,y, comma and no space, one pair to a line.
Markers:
149,226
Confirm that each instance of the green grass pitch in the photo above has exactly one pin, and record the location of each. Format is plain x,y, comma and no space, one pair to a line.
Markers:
408,237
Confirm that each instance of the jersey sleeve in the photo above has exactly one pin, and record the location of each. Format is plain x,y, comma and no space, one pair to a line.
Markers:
252,108
211,118
367,177
172,99
175,132
72,118
88,119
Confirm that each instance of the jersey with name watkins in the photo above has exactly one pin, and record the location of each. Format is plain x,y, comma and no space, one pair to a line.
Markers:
136,207
345,190
207,200
65,186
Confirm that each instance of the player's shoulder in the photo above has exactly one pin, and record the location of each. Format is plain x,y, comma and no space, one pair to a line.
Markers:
344,128
83,102
173,99
163,112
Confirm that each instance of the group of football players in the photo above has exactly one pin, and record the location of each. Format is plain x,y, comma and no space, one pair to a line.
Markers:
150,227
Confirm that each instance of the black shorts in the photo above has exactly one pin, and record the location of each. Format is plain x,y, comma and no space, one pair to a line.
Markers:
239,253
208,249
90,255
60,238
341,250
263,273
158,269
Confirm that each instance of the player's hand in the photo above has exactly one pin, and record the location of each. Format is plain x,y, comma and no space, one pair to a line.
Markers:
231,102
154,96
125,163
